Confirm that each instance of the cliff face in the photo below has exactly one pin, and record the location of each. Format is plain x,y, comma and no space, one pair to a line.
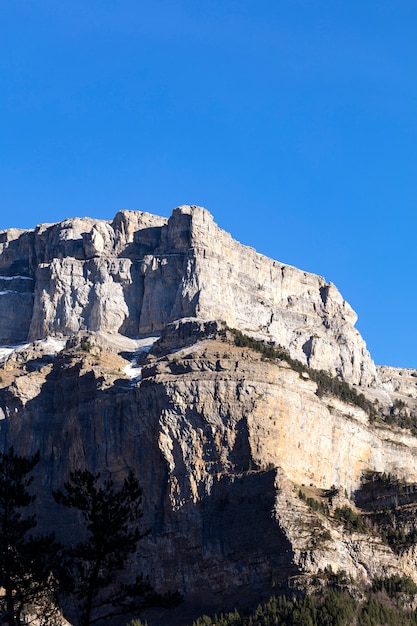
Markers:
138,273
221,438
222,441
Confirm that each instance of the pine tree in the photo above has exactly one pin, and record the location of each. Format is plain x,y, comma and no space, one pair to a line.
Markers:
27,563
110,518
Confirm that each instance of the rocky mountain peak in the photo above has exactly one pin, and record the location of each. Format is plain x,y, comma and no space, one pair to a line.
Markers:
138,272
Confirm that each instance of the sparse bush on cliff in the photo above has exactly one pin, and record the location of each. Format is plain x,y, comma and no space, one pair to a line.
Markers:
270,351
391,504
402,416
351,521
326,384
315,505
393,531
85,344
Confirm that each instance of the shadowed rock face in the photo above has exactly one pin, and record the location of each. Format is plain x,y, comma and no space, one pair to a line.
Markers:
138,273
221,441
213,532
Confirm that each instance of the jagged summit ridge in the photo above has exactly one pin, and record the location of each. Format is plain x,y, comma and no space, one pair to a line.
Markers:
137,273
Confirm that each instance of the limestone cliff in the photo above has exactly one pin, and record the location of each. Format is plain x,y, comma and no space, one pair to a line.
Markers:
126,362
139,272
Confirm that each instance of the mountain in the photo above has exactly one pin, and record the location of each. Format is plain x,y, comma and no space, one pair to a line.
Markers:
269,446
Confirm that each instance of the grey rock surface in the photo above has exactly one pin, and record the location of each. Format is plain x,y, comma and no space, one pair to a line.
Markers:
139,272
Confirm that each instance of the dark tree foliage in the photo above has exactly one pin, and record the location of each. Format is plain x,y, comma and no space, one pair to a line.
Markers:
326,384
351,521
111,533
330,607
27,563
395,584
391,530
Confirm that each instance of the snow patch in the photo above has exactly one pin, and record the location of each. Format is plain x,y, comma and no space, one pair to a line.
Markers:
133,370
6,351
53,345
13,277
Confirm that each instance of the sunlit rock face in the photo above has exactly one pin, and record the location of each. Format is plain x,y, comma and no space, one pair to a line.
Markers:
139,272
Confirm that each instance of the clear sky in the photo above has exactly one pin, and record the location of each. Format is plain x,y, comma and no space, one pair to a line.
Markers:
293,121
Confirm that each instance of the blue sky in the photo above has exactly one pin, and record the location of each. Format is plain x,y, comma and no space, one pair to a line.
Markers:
294,122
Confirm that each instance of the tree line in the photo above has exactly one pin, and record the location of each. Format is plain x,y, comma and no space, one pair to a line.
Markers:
40,577
329,607
326,384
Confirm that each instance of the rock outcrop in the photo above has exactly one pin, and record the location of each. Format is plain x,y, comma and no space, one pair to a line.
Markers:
221,439
396,380
127,362
138,273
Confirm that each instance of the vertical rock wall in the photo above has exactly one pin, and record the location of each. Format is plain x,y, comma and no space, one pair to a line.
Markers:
138,273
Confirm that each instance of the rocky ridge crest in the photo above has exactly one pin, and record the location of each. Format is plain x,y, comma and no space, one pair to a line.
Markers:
139,272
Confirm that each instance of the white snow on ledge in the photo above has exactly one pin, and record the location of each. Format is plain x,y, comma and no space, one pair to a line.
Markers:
133,370
50,346
6,351
53,345
13,277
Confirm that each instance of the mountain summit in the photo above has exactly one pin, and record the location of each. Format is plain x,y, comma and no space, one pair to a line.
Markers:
136,274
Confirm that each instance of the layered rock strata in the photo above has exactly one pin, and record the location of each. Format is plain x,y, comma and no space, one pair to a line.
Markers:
222,440
139,272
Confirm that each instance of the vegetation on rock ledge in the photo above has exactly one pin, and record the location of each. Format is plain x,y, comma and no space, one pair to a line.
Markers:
391,506
326,384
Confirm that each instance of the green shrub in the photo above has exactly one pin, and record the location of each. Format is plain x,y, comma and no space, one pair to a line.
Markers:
85,345
315,505
351,521
325,383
